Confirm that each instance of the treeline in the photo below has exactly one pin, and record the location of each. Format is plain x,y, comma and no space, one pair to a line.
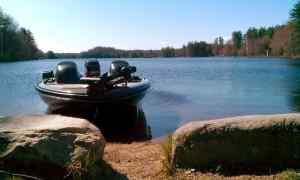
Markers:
16,43
271,41
110,52
192,49
282,40
279,41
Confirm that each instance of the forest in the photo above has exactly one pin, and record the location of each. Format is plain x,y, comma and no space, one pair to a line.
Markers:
18,43
15,43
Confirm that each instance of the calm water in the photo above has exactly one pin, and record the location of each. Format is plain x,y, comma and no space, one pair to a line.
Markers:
183,89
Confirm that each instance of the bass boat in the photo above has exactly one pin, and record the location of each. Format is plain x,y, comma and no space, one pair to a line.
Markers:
65,87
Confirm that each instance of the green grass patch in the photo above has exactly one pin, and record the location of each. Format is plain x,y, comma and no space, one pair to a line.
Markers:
14,178
289,175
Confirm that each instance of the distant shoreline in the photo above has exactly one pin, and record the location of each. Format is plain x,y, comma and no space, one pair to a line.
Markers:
234,57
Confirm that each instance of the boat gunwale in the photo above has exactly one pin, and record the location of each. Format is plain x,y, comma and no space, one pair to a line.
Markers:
145,85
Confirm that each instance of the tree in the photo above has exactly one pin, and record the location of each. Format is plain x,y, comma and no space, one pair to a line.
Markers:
295,16
280,42
270,31
51,55
184,49
221,42
237,38
229,49
8,37
168,52
28,47
252,33
295,23
261,32
15,43
218,46
198,49
251,41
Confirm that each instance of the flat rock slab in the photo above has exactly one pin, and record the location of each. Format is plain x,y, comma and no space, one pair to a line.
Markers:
271,141
49,145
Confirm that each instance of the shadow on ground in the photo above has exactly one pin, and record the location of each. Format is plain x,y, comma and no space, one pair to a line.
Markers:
27,171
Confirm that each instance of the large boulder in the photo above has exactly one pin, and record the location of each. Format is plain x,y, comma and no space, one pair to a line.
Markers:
246,142
49,146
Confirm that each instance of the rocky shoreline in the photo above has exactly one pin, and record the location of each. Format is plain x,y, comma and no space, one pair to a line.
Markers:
59,147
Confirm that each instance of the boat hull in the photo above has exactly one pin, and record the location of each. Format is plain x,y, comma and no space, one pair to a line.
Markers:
120,96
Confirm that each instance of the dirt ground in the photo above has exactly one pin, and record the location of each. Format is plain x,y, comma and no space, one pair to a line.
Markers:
135,160
142,160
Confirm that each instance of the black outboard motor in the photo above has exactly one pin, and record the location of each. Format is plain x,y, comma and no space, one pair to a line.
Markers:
92,68
119,72
67,73
116,66
121,68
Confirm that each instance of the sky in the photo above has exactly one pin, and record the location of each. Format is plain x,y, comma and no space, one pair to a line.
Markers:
79,25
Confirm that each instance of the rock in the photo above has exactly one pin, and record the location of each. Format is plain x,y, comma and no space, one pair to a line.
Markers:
258,141
49,146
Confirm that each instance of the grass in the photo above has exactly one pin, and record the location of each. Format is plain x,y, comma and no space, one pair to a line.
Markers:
14,178
166,148
289,175
90,168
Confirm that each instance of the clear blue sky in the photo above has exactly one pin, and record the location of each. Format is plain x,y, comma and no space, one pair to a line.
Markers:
77,25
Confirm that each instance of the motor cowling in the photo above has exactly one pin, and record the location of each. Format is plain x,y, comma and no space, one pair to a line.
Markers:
66,73
92,68
121,68
117,66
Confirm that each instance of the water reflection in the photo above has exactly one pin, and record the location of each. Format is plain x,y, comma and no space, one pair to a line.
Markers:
294,83
295,98
118,123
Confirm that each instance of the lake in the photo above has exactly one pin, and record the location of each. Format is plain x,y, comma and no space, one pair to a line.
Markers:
183,89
